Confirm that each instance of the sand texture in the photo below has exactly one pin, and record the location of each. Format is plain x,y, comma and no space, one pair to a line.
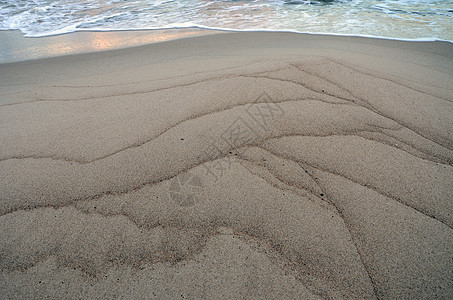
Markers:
230,166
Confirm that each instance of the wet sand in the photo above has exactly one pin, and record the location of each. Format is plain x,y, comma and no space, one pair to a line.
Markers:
239,165
15,47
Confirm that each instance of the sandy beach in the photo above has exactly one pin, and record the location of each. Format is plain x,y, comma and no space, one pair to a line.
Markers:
230,166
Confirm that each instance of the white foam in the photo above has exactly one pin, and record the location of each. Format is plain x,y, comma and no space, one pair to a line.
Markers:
371,18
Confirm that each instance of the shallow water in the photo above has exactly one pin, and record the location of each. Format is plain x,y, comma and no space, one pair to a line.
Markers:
403,19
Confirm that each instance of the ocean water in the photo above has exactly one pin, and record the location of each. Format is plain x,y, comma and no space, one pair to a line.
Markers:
396,19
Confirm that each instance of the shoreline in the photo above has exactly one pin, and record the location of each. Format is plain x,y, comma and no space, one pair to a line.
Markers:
261,165
16,47
221,29
23,48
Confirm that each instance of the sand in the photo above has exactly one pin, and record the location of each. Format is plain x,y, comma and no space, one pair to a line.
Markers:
15,47
240,165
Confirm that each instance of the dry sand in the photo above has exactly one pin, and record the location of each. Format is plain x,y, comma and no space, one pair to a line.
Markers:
240,165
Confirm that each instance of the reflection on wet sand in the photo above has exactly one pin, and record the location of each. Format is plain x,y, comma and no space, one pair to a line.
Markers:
15,47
